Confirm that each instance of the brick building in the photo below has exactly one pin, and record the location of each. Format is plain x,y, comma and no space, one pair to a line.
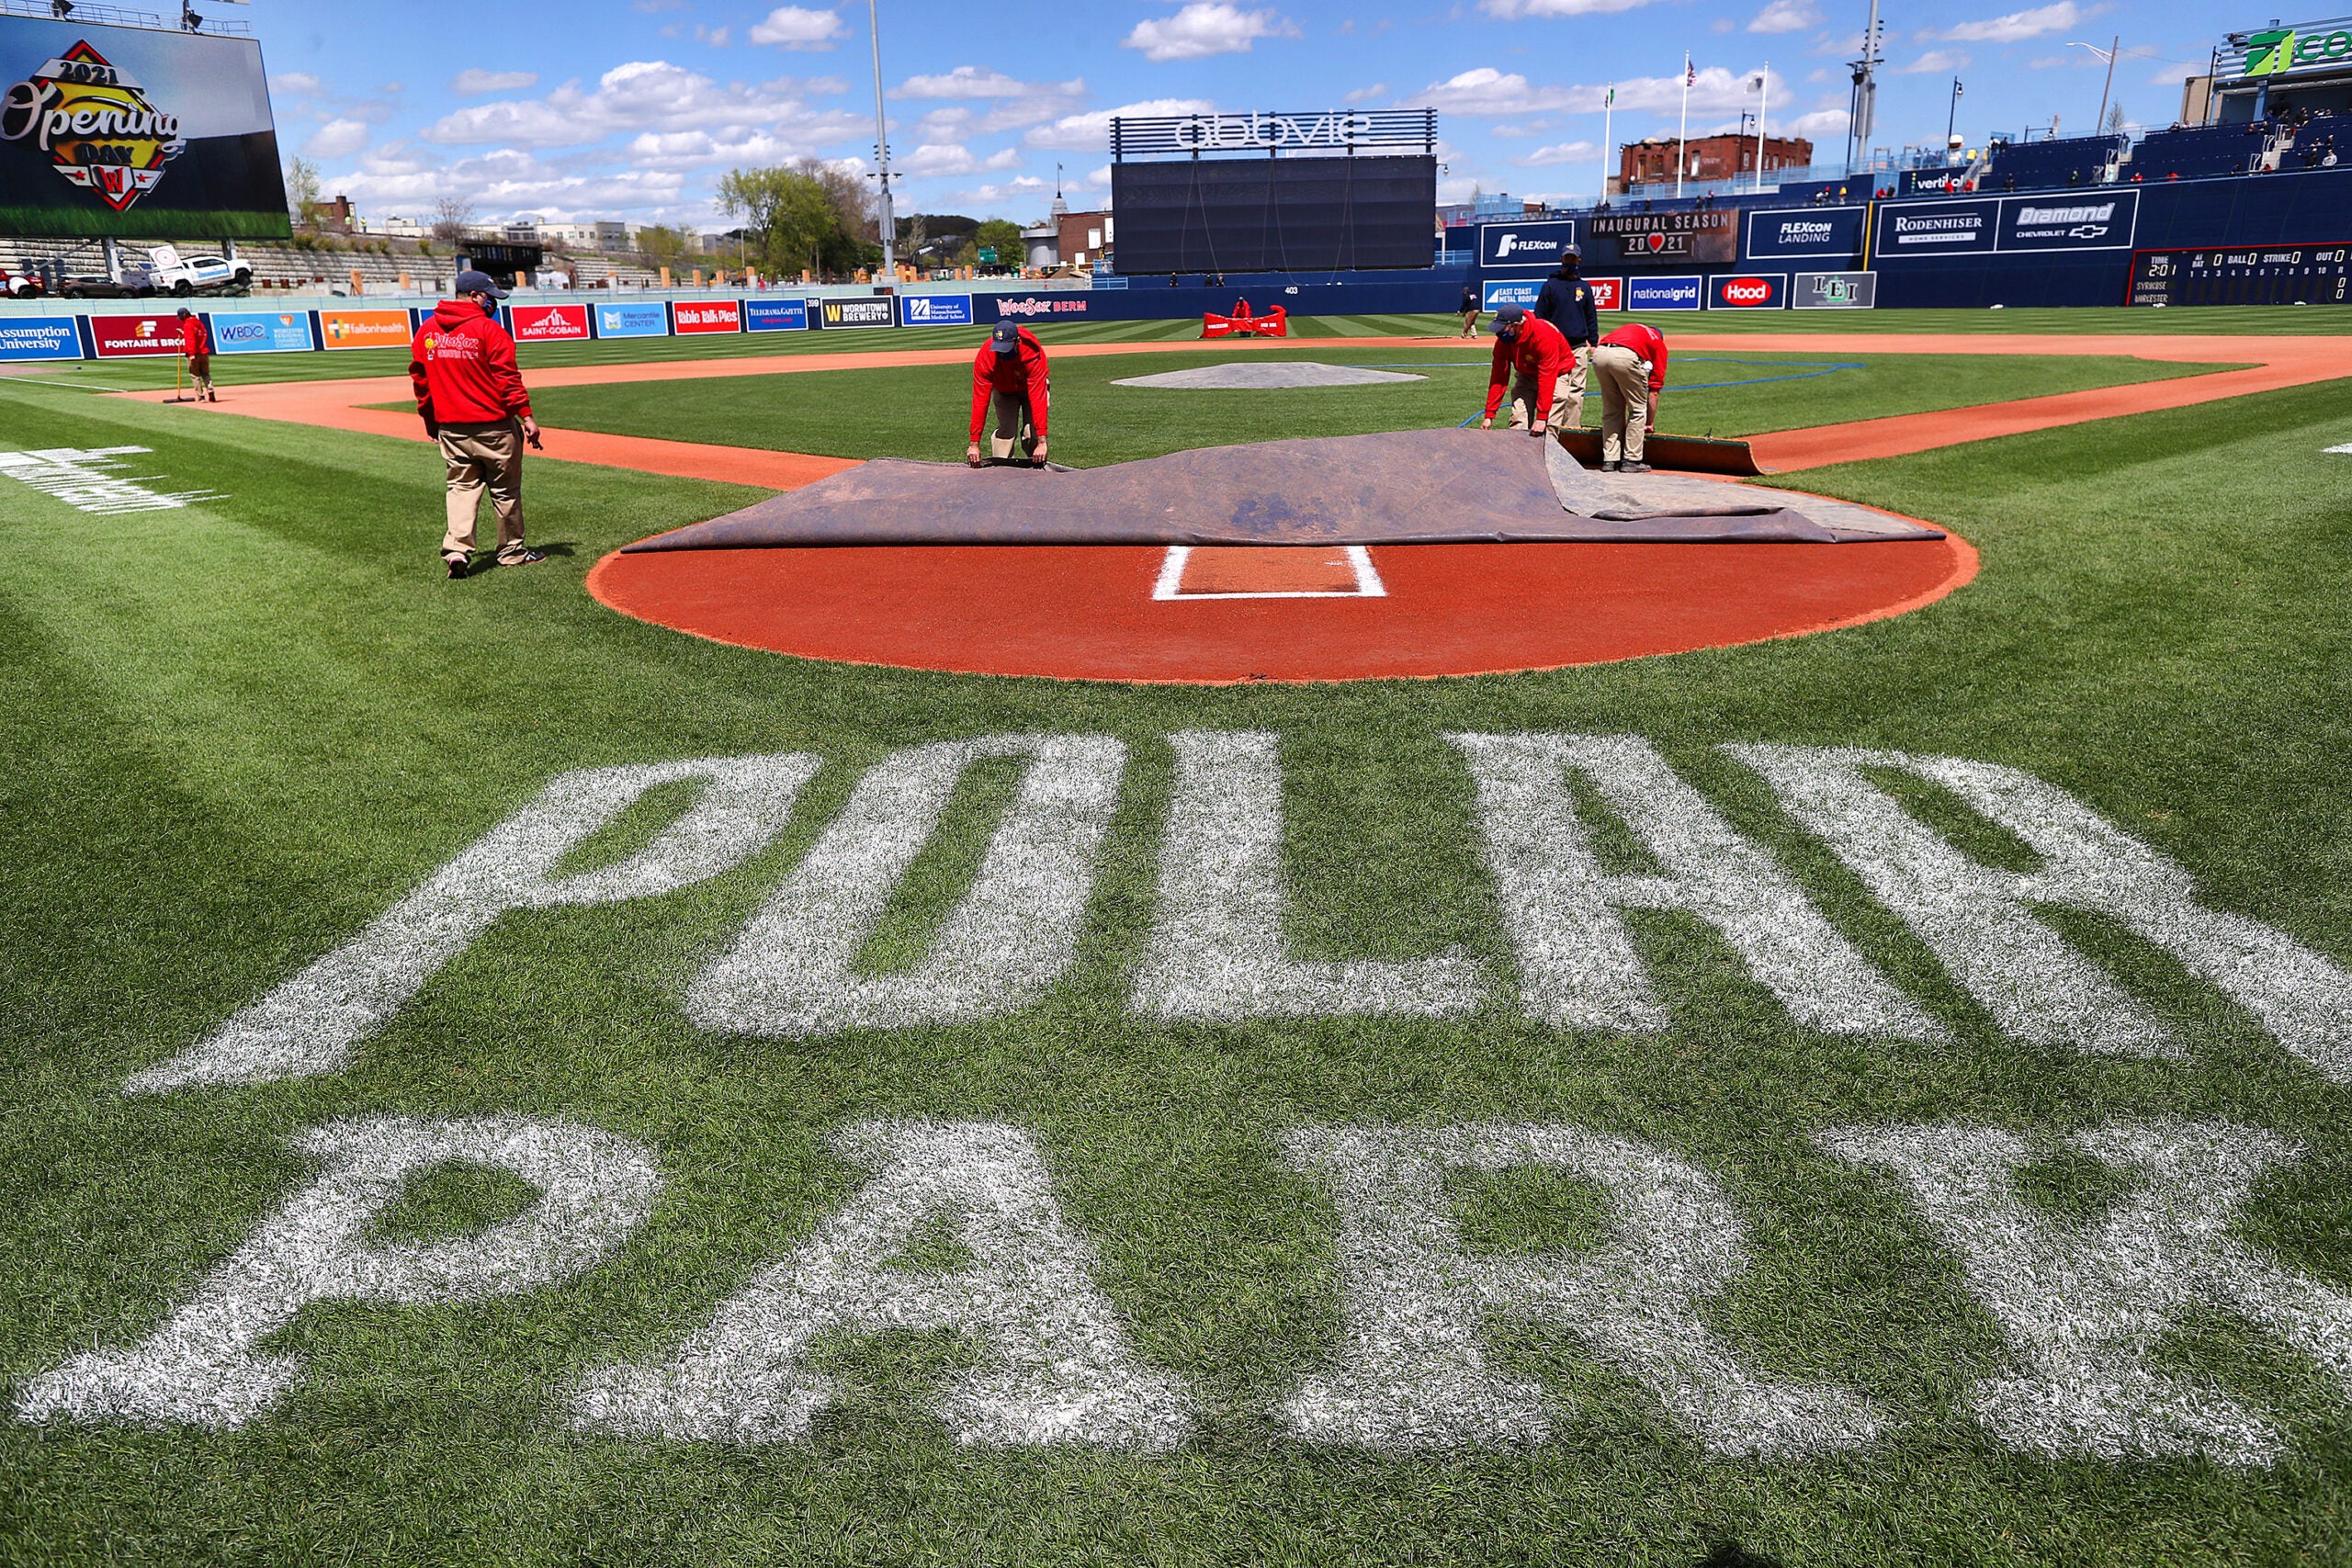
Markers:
1652,162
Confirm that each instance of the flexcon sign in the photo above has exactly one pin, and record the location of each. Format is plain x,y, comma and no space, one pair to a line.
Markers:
1528,245
1811,233
1753,292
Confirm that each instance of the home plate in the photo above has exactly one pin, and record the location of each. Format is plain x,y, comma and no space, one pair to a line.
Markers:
1268,571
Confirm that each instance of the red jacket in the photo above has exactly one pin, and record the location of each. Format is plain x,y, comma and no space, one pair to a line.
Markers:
462,365
1649,344
195,342
1539,351
1021,373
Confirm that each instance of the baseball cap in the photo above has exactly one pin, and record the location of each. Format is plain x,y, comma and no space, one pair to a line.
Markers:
182,310
1006,338
470,282
1508,319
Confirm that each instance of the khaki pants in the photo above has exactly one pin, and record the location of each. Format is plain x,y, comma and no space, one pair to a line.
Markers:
483,456
200,373
1624,378
1470,323
1568,402
1015,425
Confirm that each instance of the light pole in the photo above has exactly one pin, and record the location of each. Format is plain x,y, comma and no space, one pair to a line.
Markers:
1951,116
2107,54
882,152
1763,99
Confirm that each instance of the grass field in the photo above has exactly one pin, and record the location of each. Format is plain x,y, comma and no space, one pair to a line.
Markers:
237,733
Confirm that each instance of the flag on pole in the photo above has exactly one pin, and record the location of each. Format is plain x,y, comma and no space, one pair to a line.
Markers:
1610,101
1689,73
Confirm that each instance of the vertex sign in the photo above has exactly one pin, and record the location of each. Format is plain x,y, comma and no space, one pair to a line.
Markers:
1747,291
2067,222
2282,51
1511,246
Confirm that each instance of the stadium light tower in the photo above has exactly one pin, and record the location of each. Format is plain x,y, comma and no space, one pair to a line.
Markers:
889,223
1863,117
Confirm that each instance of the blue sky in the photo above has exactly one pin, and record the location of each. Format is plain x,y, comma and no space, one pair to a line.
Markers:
631,108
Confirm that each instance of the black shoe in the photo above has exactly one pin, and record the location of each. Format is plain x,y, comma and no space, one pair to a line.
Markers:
525,558
1633,467
456,566
1608,467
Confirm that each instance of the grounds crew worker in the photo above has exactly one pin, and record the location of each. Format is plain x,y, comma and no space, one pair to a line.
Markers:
1536,358
197,344
1631,365
473,402
1568,303
1471,309
1010,371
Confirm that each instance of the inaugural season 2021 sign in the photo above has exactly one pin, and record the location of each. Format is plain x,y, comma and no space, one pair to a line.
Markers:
136,132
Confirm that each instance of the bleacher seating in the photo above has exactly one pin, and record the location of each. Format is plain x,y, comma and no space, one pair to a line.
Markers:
2318,138
2197,153
2051,166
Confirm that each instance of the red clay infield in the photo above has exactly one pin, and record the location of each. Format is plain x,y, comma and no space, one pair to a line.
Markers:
1087,612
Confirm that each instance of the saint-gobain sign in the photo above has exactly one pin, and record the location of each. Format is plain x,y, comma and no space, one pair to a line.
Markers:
1508,246
1328,129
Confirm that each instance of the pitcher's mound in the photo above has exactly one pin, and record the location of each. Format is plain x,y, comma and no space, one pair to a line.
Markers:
1265,376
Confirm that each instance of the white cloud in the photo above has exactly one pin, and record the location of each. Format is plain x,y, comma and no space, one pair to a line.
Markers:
1206,27
1786,16
993,195
1821,127
963,82
298,85
700,150
954,158
1936,60
2017,24
716,38
797,26
470,83
1014,104
647,94
1489,92
1512,10
1561,153
1091,132
336,138
1377,90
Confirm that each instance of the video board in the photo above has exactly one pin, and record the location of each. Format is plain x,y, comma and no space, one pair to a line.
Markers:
1276,214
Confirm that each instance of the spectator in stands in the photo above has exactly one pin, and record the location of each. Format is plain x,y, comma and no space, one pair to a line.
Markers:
196,341
473,402
1534,359
1010,371
1568,303
1470,309
1630,363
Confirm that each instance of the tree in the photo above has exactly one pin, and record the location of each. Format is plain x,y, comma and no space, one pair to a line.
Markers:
665,246
452,216
1001,236
807,214
303,190
2117,120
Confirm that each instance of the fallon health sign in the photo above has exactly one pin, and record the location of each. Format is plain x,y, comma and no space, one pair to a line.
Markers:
363,329
547,324
44,337
261,331
695,316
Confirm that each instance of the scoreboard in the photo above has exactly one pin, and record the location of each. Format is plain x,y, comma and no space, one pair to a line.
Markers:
2250,275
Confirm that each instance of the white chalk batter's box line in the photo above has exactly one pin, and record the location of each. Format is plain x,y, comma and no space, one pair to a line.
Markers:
1368,583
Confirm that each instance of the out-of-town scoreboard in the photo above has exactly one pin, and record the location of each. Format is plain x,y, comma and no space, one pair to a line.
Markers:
2243,275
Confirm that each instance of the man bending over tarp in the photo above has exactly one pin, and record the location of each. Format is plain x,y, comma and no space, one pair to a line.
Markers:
1010,371
1532,353
1630,363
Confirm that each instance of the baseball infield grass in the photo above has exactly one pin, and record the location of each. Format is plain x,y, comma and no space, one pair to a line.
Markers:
234,734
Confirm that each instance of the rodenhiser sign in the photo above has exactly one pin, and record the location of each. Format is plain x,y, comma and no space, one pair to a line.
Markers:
2103,219
1809,233
1511,246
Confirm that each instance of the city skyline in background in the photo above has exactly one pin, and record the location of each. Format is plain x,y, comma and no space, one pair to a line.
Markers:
631,110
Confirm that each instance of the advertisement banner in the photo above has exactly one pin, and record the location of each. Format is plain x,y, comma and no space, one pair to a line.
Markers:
1811,233
1630,239
1608,293
691,316
642,318
1495,293
43,337
939,310
135,132
1833,291
1033,307
1936,229
775,315
2070,221
261,331
363,329
1535,246
2253,274
135,337
1747,291
873,312
547,324
1662,293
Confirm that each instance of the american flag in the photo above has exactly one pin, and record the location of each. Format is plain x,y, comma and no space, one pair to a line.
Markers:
1689,73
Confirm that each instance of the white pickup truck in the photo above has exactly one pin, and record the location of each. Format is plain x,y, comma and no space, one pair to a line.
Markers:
176,274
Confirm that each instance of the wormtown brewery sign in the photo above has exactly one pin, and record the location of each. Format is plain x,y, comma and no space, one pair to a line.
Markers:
94,124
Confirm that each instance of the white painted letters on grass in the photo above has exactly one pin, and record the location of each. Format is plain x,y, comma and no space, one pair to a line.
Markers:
1016,930
1217,947
311,1024
1979,921
2083,1307
204,1368
1413,1371
1577,963
1055,1365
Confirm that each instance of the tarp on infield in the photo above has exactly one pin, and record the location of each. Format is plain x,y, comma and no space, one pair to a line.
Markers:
1398,488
